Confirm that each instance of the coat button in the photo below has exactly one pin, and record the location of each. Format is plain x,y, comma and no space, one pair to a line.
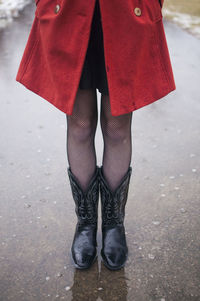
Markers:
57,8
137,11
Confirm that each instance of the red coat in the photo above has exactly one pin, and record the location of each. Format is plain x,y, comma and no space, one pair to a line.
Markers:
137,59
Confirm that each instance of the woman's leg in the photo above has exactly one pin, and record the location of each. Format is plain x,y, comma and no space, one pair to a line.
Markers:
81,129
117,143
84,176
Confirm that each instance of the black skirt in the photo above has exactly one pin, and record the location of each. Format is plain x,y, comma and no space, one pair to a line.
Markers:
94,72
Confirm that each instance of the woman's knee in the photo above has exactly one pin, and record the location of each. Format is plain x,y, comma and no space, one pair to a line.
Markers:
81,128
116,129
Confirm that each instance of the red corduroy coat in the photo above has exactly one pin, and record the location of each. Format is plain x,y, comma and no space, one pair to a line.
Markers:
137,59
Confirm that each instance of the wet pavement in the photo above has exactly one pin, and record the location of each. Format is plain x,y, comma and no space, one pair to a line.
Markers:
37,218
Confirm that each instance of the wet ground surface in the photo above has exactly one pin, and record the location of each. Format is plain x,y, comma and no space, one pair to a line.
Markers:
37,218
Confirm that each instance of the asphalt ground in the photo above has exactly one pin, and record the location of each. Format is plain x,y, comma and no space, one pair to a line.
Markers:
37,218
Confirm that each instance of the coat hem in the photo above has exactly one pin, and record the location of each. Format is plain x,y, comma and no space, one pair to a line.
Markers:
143,104
46,97
113,112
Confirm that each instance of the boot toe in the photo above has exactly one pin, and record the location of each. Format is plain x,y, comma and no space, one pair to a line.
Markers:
82,259
114,259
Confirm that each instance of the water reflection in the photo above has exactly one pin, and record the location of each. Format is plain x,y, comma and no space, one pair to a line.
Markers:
99,283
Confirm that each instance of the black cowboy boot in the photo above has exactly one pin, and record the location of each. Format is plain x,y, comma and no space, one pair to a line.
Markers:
114,250
84,244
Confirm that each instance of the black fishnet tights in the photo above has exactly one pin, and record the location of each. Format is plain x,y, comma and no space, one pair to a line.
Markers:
81,129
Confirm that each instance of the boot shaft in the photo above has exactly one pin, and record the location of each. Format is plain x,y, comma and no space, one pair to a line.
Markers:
113,203
86,202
